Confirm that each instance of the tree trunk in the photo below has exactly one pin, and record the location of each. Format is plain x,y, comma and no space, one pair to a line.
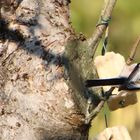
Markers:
37,81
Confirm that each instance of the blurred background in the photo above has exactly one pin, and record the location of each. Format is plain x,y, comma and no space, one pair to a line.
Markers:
124,30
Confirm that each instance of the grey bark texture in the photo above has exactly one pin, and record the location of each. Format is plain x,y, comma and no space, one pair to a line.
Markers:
38,71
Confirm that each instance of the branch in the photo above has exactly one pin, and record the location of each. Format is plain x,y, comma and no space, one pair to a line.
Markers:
133,51
95,112
97,35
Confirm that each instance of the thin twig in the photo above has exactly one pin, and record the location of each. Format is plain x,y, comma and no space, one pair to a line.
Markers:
133,51
97,35
95,112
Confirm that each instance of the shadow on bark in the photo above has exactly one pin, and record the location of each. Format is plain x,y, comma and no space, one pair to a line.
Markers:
73,60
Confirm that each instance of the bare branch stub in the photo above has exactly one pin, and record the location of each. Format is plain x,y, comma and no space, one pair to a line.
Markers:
97,35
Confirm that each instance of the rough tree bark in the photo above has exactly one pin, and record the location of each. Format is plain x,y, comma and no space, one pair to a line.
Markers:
35,100
41,80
